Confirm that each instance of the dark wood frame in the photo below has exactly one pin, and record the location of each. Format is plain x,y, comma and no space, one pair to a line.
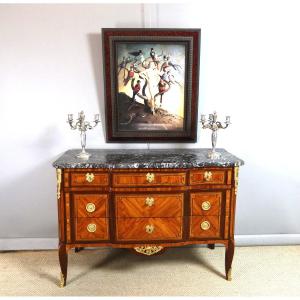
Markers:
192,38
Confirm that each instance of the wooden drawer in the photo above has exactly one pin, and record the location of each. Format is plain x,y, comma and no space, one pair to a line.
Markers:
205,227
207,176
91,229
148,229
148,179
206,203
89,179
149,205
90,205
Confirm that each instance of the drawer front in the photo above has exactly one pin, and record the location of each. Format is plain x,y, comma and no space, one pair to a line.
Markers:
149,205
149,229
207,176
91,229
91,205
206,203
205,227
89,179
148,179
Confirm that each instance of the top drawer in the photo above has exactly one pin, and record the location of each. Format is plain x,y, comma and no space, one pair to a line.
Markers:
89,179
209,176
148,179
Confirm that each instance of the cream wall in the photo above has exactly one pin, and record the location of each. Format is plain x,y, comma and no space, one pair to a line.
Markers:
51,65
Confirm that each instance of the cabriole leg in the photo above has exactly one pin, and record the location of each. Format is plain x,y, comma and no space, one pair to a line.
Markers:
63,261
228,259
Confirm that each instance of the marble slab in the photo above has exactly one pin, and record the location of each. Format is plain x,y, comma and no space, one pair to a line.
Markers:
140,158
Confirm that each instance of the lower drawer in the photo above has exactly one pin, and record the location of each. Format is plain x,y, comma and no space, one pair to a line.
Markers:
147,229
205,227
91,229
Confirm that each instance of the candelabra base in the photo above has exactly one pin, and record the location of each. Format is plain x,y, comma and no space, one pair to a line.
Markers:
83,155
213,155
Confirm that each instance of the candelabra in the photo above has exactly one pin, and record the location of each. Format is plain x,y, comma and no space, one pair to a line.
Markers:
82,126
214,126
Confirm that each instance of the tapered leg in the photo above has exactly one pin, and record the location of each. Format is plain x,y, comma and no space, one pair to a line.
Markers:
77,249
211,246
63,261
228,259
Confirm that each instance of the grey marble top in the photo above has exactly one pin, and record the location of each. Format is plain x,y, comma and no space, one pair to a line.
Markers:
140,158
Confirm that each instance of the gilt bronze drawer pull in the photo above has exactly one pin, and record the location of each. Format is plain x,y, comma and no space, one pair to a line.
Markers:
150,177
89,177
149,201
149,228
208,176
206,205
91,227
90,207
205,225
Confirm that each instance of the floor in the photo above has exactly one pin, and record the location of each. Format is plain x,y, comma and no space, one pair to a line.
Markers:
187,271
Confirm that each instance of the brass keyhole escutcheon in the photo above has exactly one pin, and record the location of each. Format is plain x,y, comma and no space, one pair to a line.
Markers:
91,227
90,207
150,177
208,176
206,205
205,225
149,201
89,177
149,228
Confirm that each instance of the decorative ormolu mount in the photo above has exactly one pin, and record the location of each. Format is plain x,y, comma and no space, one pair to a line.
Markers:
58,180
82,126
236,179
148,250
62,280
214,126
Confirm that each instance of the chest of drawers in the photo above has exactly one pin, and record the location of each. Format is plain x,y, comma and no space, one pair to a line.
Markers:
146,200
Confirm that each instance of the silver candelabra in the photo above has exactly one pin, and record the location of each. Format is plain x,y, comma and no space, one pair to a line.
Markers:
214,126
82,126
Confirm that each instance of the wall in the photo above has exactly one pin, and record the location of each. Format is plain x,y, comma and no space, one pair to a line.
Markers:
51,65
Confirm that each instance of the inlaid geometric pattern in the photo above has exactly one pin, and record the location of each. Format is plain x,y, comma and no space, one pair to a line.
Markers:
197,232
138,179
99,200
198,177
163,205
199,200
135,229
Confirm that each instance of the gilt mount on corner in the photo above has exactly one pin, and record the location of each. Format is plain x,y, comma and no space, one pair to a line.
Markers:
151,84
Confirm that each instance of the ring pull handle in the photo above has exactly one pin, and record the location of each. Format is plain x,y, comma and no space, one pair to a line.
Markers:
206,205
91,227
205,225
90,207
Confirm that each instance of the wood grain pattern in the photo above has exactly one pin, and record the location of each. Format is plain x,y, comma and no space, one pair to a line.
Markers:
134,205
99,200
197,199
197,232
197,177
140,179
79,179
129,229
81,232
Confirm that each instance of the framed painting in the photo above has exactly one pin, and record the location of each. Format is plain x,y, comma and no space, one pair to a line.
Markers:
151,84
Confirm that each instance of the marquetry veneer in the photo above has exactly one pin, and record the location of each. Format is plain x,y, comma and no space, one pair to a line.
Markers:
146,210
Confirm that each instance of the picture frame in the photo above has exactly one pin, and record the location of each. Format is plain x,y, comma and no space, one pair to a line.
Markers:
151,82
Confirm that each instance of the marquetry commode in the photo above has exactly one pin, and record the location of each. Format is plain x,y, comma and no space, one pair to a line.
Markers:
146,200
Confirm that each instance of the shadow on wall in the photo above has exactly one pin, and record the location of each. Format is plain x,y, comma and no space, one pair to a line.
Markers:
95,45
